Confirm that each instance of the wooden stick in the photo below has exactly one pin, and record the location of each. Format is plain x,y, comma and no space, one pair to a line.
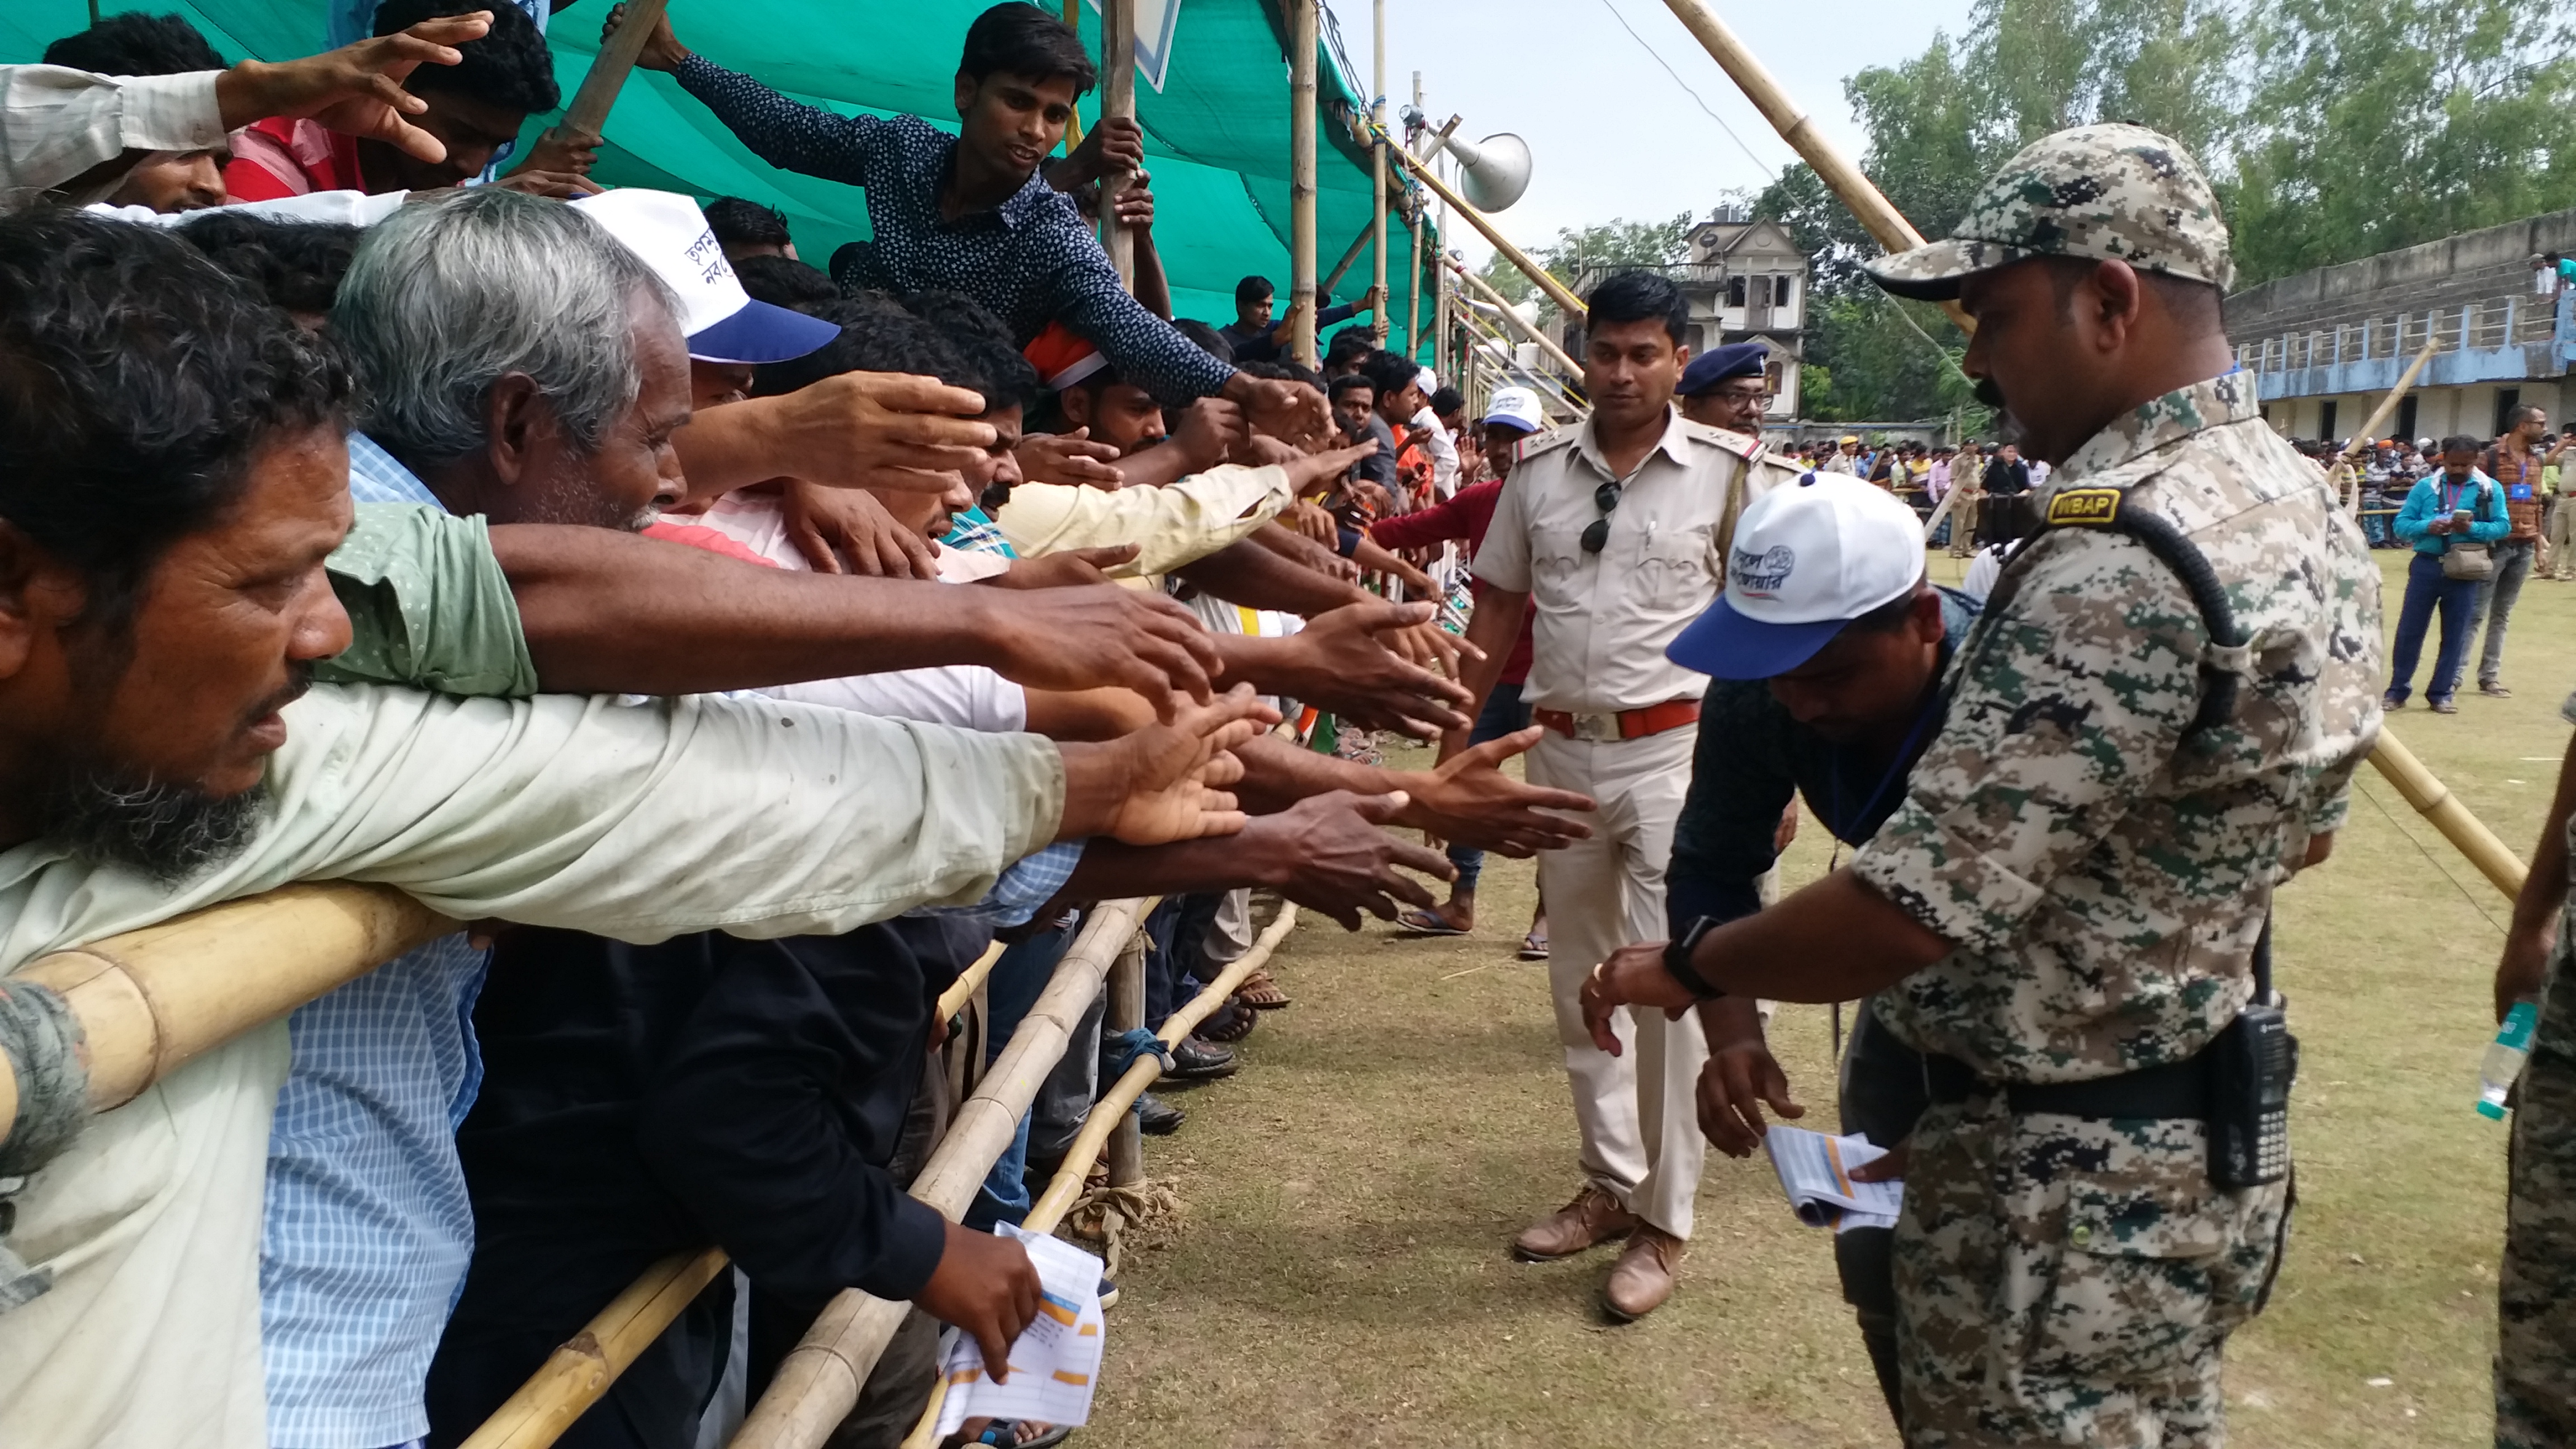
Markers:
1377,166
954,999
819,1381
1546,343
575,1375
1557,292
1126,1012
2387,408
1302,40
1350,254
152,1000
1839,173
1066,1185
1413,287
1073,123
2434,801
1118,98
587,116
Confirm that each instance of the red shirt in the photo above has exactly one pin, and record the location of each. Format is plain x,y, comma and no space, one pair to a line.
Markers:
1465,515
279,157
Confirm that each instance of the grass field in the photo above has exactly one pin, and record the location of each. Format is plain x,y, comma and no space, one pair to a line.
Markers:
1340,1277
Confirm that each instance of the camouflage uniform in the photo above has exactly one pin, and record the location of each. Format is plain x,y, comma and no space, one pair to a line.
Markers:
2535,1374
2066,1279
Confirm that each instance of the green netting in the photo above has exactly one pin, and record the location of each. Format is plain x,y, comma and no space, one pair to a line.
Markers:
1216,134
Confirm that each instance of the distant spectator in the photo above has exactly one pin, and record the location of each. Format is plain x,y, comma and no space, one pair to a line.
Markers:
2457,504
1257,336
166,181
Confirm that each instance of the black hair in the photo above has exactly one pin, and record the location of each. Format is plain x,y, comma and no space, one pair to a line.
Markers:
137,382
296,265
1207,338
1253,289
2463,443
1447,400
136,44
1638,296
988,362
1350,381
737,222
1349,343
508,66
1018,39
2519,414
785,282
877,335
1388,373
1296,372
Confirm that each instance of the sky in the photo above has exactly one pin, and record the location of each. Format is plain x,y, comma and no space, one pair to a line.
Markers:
1611,134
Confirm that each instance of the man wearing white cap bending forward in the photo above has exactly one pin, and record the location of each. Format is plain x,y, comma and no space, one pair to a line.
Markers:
1618,531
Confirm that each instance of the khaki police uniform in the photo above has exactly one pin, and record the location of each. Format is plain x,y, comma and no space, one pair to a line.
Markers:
2103,868
1600,625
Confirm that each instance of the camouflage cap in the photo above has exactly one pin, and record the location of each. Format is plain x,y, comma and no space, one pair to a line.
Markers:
2108,191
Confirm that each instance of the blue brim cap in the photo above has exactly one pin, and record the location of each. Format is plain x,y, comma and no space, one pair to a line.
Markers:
1725,644
759,333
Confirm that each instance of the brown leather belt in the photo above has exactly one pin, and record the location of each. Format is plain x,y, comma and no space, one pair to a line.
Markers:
1627,724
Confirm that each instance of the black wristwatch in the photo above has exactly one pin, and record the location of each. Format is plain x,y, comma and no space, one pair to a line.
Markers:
1677,959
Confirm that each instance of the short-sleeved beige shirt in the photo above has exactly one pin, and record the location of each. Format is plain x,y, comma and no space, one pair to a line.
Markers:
1602,620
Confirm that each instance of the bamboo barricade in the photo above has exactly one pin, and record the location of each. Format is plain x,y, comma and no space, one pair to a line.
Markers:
1066,1186
969,981
1377,166
1546,281
1302,40
575,1375
150,1001
2422,789
1413,293
1546,344
820,1379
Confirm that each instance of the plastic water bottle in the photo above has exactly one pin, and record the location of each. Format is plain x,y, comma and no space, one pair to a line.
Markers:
2504,1059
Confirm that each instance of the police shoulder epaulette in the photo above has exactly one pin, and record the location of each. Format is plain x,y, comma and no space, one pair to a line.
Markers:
1547,442
1734,442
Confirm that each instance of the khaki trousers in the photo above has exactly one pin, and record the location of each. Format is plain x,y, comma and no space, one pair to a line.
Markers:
2562,540
1636,1111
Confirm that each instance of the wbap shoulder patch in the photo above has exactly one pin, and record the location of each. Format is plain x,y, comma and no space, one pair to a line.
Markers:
2084,507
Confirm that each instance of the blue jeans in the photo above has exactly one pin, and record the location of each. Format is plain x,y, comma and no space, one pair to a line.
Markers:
1009,992
1503,714
2427,590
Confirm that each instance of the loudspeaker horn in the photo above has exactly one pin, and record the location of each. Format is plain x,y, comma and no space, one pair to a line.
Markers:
1496,169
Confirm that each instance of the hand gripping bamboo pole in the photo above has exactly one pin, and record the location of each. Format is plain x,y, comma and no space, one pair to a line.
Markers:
587,116
149,1001
2398,764
819,1380
1546,281
575,1375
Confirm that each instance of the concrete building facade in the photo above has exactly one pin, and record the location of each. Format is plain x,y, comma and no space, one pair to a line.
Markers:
2328,344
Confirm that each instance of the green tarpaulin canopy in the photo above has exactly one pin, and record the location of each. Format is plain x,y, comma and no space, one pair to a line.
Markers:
1216,134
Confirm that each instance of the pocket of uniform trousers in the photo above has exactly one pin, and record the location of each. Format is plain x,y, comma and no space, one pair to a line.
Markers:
2134,1284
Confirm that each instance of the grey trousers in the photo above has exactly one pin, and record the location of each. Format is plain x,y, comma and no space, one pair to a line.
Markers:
2493,610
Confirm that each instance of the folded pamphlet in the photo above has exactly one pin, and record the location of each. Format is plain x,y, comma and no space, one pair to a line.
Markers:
1815,1171
1055,1363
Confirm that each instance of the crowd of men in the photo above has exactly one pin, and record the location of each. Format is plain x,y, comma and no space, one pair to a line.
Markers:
748,647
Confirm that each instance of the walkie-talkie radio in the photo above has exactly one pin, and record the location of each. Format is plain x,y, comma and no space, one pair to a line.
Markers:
2251,1066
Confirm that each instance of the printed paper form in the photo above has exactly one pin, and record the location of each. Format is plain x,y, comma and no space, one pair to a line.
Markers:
1815,1171
1054,1364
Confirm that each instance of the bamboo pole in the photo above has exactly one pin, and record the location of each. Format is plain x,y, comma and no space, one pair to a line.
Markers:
1377,166
1546,344
1302,40
1118,98
1350,254
819,1381
1073,122
1413,284
1546,281
1125,1013
587,116
575,1375
2394,761
968,982
1839,172
152,1000
2387,408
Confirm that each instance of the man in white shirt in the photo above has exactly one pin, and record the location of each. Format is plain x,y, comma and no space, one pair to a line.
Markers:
1618,530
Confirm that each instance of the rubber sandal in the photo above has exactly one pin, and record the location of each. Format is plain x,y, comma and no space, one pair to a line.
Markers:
1261,993
1419,922
1533,947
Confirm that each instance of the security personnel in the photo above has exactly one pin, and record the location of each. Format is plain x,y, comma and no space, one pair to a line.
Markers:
1725,387
2154,723
1616,529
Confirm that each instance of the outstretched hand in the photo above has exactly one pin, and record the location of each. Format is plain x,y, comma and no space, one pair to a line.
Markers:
879,430
1068,458
1468,799
1349,663
1633,976
1165,782
1097,635
356,90
846,530
1317,468
662,49
1740,1078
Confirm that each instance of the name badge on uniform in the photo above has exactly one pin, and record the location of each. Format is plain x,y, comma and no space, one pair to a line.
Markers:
2519,493
2084,507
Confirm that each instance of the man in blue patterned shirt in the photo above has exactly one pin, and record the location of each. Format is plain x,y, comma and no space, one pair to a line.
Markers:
972,212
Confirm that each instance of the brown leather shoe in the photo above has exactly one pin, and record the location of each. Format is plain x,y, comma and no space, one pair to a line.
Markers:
1643,1277
1593,1218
